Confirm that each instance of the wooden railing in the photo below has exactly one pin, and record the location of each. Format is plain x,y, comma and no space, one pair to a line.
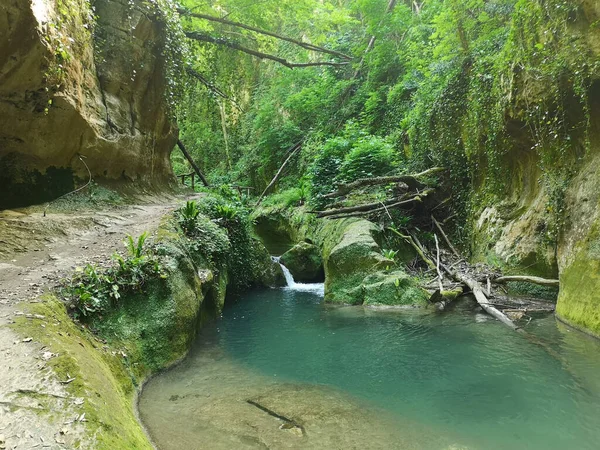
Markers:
185,175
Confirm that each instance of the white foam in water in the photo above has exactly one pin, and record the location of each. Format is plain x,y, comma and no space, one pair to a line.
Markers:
316,288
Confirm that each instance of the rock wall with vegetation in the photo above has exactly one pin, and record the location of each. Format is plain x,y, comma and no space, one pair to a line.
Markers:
89,79
504,94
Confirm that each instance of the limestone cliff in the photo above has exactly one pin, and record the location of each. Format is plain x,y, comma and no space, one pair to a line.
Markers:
77,79
516,233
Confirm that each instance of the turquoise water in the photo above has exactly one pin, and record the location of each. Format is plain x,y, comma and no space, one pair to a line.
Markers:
462,379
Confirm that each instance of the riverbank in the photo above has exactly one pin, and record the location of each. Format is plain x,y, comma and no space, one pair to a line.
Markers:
73,383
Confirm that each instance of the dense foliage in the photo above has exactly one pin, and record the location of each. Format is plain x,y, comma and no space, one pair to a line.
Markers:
472,85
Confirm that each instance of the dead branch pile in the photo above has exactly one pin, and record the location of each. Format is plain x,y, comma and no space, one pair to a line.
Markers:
407,191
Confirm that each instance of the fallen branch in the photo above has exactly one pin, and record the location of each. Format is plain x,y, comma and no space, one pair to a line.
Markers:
197,36
448,243
528,279
292,151
409,239
481,298
417,198
306,45
364,182
350,209
437,268
370,208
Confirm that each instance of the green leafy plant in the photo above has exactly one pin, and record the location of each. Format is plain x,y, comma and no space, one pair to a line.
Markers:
370,156
93,289
389,254
188,216
136,247
226,212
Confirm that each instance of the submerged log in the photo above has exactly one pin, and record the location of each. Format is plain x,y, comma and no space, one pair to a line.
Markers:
483,300
443,298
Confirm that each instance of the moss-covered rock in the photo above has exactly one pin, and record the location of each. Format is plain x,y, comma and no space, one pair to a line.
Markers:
355,270
392,288
579,299
99,374
304,262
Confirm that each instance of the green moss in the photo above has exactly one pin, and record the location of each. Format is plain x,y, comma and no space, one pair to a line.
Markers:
356,272
393,288
304,262
578,301
98,372
518,288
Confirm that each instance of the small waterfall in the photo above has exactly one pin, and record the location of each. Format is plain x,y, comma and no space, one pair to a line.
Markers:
317,288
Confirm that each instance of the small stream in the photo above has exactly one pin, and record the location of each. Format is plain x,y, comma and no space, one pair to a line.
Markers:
357,378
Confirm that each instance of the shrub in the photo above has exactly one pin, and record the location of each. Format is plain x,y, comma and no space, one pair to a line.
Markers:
188,216
370,156
326,167
93,289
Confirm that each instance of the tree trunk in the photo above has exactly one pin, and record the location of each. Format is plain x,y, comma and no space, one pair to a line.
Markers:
191,161
292,151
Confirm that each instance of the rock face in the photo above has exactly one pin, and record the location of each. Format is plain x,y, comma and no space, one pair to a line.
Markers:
357,273
74,85
514,233
305,263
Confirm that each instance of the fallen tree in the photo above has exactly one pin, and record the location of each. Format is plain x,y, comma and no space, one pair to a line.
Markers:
411,180
369,208
291,152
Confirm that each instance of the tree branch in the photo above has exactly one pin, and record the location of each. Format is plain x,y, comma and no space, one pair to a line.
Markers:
527,279
291,152
211,87
302,44
197,36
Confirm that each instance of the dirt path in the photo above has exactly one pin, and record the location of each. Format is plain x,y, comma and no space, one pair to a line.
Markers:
35,253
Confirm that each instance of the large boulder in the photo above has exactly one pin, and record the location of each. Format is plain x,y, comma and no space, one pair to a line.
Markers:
357,273
305,263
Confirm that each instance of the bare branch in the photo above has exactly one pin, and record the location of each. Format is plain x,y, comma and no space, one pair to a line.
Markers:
291,152
211,87
527,279
302,44
236,46
363,182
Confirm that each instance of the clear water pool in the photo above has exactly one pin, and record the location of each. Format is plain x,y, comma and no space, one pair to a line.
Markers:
360,378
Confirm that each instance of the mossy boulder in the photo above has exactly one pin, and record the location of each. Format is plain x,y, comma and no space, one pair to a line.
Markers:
305,263
579,299
268,272
392,288
357,273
